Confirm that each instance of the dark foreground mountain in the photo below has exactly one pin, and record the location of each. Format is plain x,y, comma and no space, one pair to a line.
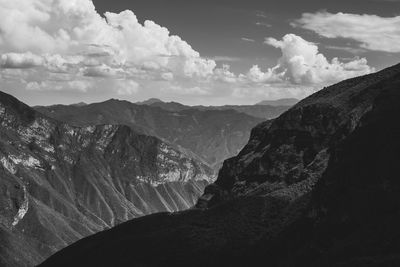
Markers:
210,135
319,186
59,183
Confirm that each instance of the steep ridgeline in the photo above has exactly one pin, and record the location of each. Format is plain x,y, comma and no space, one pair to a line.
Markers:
294,148
319,186
59,183
211,135
261,110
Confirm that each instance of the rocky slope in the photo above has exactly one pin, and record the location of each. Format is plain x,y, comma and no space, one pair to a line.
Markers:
211,135
316,187
59,183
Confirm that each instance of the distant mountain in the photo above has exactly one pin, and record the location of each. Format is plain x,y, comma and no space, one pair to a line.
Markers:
171,106
279,102
59,183
258,111
210,135
318,186
80,104
150,101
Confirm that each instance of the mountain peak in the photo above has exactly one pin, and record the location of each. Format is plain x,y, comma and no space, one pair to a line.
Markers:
150,101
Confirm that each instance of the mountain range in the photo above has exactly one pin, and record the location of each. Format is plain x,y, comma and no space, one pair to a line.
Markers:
212,134
266,109
71,171
60,183
318,186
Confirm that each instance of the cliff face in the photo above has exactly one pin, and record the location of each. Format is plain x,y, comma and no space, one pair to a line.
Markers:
316,187
280,153
59,183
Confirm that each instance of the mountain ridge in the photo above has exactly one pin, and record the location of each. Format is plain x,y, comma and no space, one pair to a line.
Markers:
263,111
212,135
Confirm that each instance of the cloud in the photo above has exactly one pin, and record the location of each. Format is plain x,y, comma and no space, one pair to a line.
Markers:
61,64
103,71
224,74
66,45
198,67
301,63
181,90
247,40
226,58
352,50
78,85
261,14
255,75
20,60
263,24
168,76
126,87
72,27
371,31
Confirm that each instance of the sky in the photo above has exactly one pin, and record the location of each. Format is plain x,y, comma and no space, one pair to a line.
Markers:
209,52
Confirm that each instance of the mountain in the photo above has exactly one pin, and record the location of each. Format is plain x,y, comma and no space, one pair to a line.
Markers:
259,110
150,101
60,183
263,112
80,104
318,186
210,135
171,106
279,102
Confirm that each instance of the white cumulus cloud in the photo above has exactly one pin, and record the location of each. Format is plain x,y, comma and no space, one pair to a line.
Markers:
301,63
20,60
371,31
33,29
67,45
